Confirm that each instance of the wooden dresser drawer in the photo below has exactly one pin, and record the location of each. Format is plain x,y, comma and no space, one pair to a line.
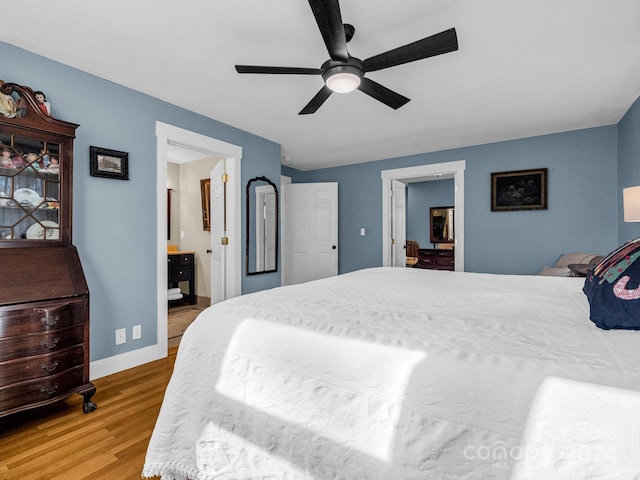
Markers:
41,390
436,259
426,260
180,274
41,343
176,260
445,259
22,369
41,317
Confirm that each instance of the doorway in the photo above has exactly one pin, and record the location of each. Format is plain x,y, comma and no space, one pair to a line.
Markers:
423,173
188,232
168,137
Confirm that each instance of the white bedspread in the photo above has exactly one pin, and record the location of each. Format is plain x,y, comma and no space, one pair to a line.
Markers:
391,374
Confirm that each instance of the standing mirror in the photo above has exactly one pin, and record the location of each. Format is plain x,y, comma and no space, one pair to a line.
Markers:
441,224
262,226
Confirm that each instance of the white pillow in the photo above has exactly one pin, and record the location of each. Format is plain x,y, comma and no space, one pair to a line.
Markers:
555,271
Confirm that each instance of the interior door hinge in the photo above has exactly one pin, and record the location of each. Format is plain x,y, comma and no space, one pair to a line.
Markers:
393,241
225,241
225,177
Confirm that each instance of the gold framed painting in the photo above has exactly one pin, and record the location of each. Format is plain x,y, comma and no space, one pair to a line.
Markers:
519,190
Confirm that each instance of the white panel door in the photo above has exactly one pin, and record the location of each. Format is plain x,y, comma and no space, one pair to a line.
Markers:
218,255
399,223
311,231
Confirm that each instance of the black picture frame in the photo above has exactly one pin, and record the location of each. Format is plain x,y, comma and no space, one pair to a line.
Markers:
519,190
108,163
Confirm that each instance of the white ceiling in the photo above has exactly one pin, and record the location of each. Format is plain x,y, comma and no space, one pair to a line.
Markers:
523,68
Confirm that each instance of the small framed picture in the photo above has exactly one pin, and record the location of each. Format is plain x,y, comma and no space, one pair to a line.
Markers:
109,163
519,190
205,194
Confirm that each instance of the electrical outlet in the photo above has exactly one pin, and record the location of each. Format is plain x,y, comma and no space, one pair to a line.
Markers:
121,336
137,332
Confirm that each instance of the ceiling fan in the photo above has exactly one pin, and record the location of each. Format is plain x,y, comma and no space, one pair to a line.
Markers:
343,73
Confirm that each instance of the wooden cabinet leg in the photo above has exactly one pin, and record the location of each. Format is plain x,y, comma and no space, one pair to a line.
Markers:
87,392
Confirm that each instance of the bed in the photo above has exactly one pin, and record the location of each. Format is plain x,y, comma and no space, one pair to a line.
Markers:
398,373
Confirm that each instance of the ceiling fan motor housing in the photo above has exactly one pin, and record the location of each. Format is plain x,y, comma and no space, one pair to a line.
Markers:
353,67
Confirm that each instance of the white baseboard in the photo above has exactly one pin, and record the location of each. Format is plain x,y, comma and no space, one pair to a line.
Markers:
108,366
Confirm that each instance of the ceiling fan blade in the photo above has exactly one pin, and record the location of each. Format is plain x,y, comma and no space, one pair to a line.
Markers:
329,20
443,42
382,94
316,101
278,70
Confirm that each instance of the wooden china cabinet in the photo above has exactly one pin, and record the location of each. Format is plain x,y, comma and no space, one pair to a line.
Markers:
44,298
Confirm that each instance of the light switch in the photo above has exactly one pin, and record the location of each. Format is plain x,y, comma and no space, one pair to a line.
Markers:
362,232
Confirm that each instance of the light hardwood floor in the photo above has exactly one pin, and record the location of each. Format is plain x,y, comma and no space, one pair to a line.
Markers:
179,318
59,441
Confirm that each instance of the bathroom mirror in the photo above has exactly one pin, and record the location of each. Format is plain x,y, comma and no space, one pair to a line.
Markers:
262,226
441,224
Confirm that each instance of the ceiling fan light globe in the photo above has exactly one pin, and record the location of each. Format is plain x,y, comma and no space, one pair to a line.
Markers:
343,82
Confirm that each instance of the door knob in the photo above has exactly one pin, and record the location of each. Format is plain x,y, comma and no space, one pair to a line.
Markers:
334,247
208,250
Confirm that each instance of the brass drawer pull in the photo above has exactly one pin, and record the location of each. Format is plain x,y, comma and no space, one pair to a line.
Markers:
50,390
50,368
51,343
50,321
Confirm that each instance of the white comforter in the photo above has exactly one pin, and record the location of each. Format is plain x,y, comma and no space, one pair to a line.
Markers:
389,374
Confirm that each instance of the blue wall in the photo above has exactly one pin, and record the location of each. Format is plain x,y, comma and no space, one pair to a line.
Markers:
421,196
628,165
582,189
114,222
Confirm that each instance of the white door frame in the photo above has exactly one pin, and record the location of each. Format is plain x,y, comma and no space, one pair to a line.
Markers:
399,223
170,135
418,173
284,180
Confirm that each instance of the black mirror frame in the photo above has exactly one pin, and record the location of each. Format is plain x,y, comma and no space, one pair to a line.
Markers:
431,237
248,226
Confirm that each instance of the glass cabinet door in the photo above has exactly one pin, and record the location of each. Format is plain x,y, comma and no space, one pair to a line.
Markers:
29,188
